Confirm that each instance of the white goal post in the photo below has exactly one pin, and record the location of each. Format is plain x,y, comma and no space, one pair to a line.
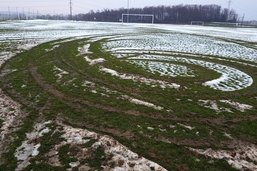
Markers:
139,15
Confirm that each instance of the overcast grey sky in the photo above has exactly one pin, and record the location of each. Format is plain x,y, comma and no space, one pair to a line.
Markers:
247,7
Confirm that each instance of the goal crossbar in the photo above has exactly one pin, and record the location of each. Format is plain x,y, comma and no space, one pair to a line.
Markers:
141,15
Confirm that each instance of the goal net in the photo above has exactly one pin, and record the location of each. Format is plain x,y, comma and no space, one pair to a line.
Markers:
137,18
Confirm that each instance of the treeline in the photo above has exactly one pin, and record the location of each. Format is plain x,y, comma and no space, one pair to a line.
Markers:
180,14
166,14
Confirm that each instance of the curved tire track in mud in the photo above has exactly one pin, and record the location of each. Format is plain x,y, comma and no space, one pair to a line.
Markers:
220,124
74,102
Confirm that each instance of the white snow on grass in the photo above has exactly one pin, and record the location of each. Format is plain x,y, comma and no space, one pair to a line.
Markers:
134,53
114,151
4,56
88,84
94,61
186,126
23,35
227,135
213,104
31,33
121,152
59,73
95,88
29,147
9,111
243,157
238,106
183,43
74,164
140,102
104,91
84,50
231,79
26,46
147,81
245,34
53,48
164,69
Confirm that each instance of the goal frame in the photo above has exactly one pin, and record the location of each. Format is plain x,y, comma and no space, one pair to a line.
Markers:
140,15
199,23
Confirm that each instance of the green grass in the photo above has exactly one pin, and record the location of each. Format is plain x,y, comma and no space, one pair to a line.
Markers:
82,108
97,158
65,159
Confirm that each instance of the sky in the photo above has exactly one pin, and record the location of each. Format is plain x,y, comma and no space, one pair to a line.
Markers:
247,7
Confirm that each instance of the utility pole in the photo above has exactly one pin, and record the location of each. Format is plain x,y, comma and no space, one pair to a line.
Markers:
177,15
33,14
229,6
9,13
128,11
18,14
242,22
70,10
23,14
29,15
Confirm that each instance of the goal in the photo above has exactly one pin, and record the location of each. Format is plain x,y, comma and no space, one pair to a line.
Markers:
201,23
137,18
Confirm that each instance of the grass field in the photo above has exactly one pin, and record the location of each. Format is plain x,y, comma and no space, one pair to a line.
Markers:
184,100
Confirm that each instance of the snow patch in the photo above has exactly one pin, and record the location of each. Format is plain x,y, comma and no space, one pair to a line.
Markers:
243,157
140,102
231,79
28,46
131,160
94,88
150,128
111,147
212,104
9,111
165,69
238,106
186,126
94,61
74,164
182,43
30,146
53,48
154,83
84,50
59,73
4,56
88,84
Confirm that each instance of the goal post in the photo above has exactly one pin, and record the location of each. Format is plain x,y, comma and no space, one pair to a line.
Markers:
137,15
